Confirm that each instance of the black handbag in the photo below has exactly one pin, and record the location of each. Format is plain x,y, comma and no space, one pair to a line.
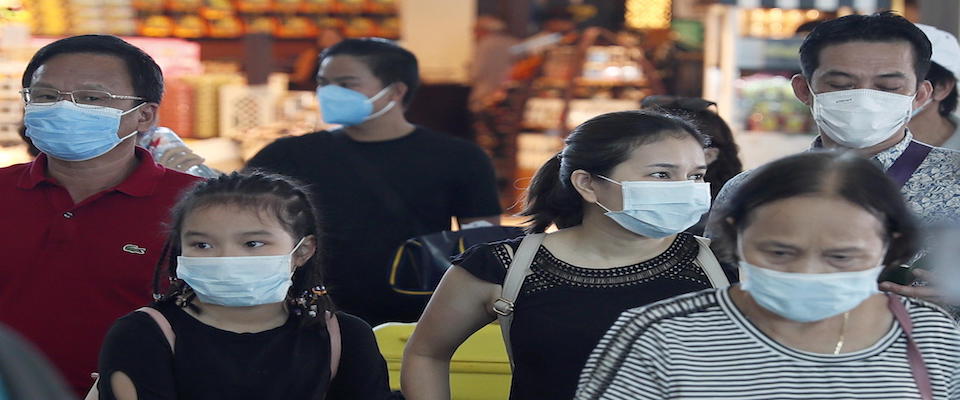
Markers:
419,263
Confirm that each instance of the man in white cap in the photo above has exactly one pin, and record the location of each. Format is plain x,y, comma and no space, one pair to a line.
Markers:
935,123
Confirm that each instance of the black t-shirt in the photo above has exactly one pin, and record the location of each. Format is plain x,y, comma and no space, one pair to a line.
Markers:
429,176
287,362
563,310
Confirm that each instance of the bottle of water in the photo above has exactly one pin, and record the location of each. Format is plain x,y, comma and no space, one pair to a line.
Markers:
160,139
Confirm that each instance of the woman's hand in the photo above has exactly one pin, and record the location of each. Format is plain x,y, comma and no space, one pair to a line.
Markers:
929,293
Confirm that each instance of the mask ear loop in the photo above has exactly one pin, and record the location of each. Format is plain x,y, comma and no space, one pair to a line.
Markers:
611,181
386,108
382,111
134,131
295,250
298,245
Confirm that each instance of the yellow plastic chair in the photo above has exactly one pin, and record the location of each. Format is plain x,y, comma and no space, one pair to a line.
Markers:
479,369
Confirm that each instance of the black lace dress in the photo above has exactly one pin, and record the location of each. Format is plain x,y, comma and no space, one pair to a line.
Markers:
563,310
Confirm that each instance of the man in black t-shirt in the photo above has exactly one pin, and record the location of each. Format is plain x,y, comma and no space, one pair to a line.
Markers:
379,180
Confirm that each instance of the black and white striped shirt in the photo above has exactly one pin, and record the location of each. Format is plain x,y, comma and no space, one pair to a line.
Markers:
700,346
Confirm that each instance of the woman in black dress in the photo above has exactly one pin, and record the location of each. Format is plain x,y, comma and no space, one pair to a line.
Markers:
246,315
622,192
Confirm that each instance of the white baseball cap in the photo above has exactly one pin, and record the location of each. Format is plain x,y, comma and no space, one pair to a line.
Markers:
946,50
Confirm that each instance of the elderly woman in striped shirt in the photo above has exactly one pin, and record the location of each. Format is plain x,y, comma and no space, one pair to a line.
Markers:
811,234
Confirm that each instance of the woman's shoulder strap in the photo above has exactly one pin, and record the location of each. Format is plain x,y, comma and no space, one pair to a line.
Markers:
711,267
518,271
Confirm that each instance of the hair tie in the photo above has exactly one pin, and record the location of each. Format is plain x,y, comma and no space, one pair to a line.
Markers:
319,290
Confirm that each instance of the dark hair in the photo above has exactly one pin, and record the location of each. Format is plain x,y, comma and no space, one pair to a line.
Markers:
880,27
145,74
596,146
727,165
387,61
843,174
939,75
807,27
277,195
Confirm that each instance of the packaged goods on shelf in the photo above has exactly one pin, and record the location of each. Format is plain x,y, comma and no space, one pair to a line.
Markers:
190,27
226,27
194,19
534,149
287,6
381,6
582,110
176,109
611,64
157,26
206,89
360,27
243,108
318,6
11,103
184,5
767,103
253,6
543,113
351,6
560,63
260,24
297,27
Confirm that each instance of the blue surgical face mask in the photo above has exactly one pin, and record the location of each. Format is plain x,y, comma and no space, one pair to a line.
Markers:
808,297
238,281
347,107
658,209
66,131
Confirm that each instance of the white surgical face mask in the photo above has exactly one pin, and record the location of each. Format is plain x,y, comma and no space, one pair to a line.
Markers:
238,281
658,209
808,297
861,118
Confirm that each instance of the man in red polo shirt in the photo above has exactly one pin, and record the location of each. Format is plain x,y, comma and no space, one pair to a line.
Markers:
81,226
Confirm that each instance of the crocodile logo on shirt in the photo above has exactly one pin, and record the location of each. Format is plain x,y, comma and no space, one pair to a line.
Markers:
134,249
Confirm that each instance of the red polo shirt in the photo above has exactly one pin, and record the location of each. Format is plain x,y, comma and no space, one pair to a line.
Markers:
67,271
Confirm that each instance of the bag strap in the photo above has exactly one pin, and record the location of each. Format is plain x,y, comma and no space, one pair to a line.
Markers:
336,343
516,273
909,161
917,367
165,327
162,323
710,265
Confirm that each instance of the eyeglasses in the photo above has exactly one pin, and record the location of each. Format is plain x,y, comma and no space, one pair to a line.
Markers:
686,103
88,98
